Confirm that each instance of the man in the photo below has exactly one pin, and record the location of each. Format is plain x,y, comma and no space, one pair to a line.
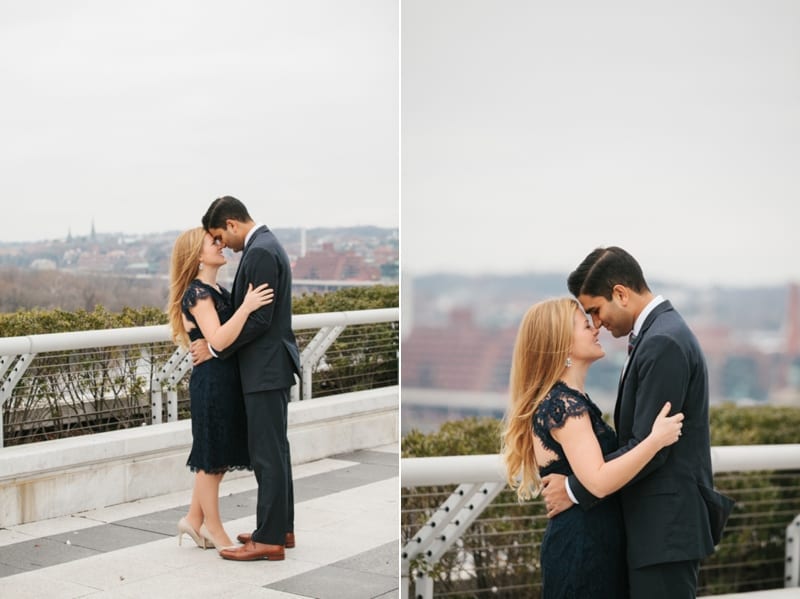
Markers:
673,517
268,362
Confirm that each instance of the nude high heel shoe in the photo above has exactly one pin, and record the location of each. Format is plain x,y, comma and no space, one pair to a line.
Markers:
209,540
185,528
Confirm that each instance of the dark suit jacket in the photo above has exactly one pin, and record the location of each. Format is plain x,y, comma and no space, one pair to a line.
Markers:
670,506
266,348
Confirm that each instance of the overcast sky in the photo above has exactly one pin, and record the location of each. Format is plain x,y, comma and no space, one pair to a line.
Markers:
136,115
534,132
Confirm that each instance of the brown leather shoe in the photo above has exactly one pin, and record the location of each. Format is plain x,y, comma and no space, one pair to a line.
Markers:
246,536
252,551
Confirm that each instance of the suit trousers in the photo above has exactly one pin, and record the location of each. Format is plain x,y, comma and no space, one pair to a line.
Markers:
267,440
672,580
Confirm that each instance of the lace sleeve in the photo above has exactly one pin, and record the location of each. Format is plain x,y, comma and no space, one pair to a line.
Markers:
556,409
190,297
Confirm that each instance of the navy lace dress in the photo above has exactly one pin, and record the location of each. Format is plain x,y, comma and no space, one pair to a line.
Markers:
219,426
583,552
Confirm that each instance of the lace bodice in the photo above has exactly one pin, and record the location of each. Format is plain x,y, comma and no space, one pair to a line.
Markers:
560,404
198,290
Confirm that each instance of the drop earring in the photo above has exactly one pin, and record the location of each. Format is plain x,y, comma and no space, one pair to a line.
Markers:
568,363
200,267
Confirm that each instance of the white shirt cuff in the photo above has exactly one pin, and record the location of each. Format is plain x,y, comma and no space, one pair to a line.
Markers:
569,491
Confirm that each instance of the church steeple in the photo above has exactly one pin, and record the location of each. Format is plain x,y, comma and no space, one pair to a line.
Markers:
94,234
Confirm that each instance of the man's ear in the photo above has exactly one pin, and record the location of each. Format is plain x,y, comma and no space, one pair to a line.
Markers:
622,294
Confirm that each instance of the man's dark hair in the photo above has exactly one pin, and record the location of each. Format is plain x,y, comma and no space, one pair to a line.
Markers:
604,268
222,209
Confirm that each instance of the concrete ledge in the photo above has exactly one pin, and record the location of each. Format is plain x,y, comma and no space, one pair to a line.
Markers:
67,476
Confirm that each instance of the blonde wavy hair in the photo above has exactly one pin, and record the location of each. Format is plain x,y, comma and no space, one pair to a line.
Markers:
543,342
184,266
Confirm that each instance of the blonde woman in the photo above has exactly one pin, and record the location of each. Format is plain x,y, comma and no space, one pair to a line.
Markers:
553,426
200,308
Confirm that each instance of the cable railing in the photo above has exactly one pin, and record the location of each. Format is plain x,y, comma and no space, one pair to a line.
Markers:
65,384
464,534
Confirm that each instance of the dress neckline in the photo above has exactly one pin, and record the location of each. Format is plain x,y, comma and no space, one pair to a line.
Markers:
216,287
571,388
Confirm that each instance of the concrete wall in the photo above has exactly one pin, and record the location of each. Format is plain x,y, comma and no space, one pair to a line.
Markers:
67,476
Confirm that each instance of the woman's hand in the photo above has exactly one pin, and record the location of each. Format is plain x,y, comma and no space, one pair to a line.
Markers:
667,429
258,297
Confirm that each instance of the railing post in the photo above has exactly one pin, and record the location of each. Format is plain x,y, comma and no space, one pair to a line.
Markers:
172,405
294,392
305,382
7,388
444,528
793,554
423,586
156,406
314,352
178,364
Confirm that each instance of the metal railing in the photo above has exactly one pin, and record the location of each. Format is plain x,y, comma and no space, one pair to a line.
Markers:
54,384
476,540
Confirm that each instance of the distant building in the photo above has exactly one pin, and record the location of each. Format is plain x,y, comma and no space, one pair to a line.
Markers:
458,356
329,264
43,264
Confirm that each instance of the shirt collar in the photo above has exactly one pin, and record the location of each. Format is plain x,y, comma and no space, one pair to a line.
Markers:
250,233
637,326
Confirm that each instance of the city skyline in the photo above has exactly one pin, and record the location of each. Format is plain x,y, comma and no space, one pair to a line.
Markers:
92,229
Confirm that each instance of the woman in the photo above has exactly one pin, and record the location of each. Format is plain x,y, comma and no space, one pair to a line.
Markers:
199,308
553,426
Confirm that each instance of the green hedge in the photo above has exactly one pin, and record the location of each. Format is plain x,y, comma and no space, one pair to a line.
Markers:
355,298
36,321
506,539
729,424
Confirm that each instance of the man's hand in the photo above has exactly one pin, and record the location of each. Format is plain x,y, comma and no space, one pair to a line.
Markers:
555,495
200,352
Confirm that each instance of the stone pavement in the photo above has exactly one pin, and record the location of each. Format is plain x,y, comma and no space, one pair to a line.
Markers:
347,527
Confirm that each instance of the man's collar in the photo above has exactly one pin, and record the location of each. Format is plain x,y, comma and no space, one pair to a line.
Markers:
637,326
250,233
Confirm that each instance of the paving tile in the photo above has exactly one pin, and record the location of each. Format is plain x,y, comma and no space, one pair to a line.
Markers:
39,553
382,560
333,582
6,570
239,505
34,585
51,526
107,571
106,537
164,522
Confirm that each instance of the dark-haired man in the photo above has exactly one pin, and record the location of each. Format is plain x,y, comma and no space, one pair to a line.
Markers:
268,362
673,517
